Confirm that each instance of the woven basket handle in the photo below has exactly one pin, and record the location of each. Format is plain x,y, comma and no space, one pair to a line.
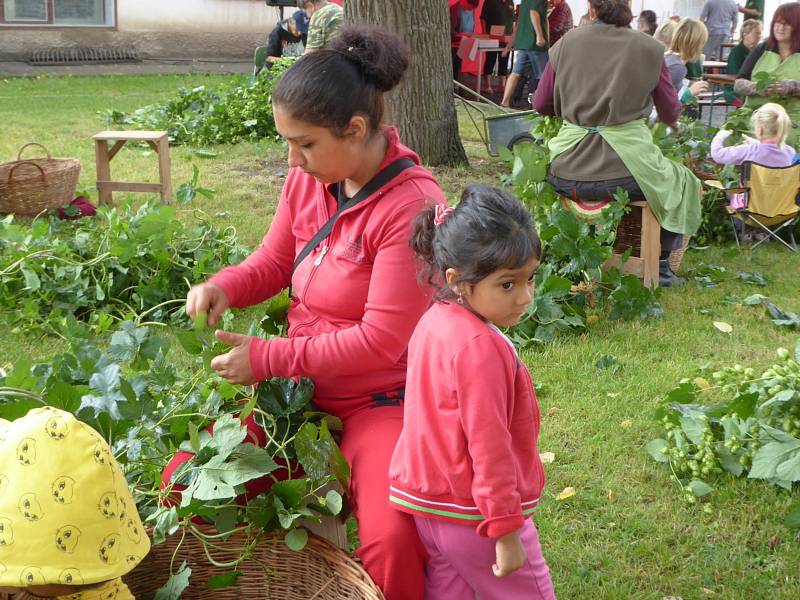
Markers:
46,151
25,162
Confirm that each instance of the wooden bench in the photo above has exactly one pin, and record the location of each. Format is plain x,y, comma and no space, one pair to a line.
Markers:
157,140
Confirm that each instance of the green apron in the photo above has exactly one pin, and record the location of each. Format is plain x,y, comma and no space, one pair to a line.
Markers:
770,62
671,190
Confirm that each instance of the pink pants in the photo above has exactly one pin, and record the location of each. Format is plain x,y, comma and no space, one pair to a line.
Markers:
460,565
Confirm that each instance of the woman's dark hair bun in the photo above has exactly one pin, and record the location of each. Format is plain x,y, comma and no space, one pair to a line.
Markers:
381,56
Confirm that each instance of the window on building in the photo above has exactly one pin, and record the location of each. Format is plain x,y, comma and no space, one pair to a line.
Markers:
57,13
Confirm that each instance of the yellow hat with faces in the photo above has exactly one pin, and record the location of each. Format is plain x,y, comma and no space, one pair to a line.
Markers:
66,513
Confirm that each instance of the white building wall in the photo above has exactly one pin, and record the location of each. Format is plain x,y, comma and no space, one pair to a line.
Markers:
215,29
205,16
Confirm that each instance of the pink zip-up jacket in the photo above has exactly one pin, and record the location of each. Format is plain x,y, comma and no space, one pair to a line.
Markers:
468,449
356,296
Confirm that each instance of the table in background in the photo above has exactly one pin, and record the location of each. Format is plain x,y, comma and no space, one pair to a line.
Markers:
481,58
714,67
717,83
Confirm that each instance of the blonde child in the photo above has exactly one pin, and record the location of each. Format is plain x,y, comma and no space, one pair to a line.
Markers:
466,465
771,126
685,47
68,524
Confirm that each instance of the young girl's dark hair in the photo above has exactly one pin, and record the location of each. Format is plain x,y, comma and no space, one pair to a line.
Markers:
613,12
489,230
328,87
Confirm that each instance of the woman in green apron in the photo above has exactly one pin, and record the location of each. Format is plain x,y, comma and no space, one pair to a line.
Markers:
604,98
779,58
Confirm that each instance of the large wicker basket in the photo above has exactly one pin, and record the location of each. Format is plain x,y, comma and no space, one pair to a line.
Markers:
30,186
272,572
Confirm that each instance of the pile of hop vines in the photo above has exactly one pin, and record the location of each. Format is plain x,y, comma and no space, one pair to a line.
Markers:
739,422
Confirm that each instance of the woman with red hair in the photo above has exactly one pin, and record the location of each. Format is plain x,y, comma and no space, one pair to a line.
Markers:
779,57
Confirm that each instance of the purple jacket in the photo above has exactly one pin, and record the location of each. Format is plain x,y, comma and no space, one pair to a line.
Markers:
766,153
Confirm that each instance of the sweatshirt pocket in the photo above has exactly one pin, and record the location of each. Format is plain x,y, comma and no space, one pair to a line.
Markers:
304,328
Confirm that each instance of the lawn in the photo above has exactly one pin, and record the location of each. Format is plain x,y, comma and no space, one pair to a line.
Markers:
627,532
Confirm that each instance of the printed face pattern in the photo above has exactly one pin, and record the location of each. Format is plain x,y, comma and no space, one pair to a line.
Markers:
57,428
109,549
134,533
108,505
70,577
101,454
62,489
67,538
30,508
122,510
31,576
26,451
6,532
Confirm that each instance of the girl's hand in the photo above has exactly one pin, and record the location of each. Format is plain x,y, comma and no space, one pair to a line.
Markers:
234,366
207,298
510,555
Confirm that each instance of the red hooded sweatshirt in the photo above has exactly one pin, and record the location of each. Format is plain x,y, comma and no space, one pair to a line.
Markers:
356,298
467,452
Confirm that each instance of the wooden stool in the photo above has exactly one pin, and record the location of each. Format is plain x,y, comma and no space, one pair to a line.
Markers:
157,140
639,231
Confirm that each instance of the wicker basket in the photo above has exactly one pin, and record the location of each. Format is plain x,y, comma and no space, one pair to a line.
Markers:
30,186
273,571
699,170
676,256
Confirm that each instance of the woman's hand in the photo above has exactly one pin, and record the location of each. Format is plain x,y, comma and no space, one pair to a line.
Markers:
234,365
698,87
509,553
787,87
207,298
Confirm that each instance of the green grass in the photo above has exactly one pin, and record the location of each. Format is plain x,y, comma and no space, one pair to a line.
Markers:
626,533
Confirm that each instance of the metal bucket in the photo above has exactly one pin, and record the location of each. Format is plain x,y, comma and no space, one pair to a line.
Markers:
507,129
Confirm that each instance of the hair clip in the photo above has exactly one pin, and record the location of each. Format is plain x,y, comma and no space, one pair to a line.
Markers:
440,213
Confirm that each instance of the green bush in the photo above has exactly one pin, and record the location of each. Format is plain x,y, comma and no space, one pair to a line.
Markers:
200,116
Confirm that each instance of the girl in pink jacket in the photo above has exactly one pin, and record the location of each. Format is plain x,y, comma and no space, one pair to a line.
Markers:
355,297
466,465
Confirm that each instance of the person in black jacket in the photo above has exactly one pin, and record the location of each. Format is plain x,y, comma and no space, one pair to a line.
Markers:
287,39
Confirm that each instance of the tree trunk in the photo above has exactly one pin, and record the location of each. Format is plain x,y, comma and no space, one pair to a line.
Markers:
422,106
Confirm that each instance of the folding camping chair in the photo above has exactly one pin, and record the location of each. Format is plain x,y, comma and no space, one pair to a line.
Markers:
772,195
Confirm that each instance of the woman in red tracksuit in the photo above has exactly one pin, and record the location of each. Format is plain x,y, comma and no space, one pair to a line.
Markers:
356,299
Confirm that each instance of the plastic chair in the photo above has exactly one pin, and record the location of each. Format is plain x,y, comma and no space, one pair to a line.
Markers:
772,201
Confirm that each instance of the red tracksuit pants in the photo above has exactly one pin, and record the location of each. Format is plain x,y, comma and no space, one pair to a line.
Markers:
390,547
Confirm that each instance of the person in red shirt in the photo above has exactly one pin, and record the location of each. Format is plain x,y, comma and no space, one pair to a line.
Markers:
466,465
559,20
355,297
